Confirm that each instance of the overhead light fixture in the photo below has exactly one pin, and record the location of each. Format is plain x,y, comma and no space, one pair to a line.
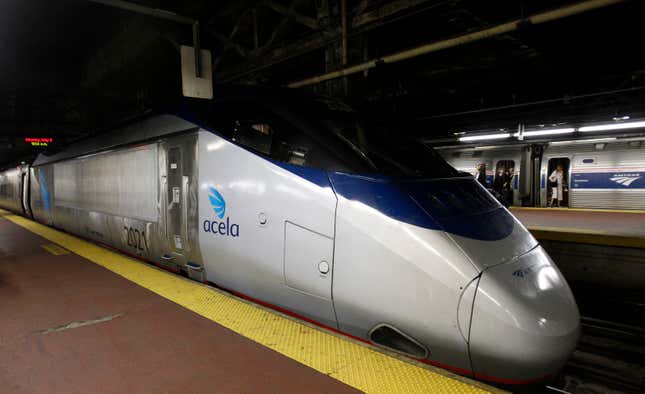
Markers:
484,137
535,133
588,141
612,126
485,147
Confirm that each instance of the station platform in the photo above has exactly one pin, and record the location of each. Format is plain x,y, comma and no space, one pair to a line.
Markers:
77,317
587,226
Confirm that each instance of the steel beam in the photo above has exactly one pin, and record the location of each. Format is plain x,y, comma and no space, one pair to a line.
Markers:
289,12
460,40
322,38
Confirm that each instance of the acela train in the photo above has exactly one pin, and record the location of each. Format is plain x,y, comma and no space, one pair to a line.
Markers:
280,197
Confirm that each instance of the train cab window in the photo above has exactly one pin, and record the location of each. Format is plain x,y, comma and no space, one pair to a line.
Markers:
255,135
320,135
291,154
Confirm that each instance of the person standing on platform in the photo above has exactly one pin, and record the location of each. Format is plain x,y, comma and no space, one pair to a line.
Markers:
498,182
481,174
508,185
557,186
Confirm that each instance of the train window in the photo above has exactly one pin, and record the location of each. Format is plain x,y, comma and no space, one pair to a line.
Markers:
320,134
588,161
255,135
290,154
276,135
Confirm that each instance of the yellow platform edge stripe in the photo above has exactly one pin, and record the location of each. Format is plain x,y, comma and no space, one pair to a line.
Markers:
360,366
634,211
55,249
585,236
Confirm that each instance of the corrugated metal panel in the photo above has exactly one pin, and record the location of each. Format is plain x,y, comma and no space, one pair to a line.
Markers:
120,183
613,159
10,189
608,198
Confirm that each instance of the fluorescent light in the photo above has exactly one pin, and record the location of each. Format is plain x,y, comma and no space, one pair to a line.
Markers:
609,139
535,133
485,147
612,126
484,137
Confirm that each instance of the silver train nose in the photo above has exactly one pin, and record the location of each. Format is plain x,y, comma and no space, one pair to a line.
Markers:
525,321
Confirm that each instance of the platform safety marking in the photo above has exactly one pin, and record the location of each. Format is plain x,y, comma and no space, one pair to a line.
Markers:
354,364
55,249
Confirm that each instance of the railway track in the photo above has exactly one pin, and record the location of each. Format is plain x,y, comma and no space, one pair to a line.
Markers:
610,358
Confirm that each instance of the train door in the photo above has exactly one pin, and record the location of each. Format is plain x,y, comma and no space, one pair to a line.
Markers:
25,193
557,191
174,198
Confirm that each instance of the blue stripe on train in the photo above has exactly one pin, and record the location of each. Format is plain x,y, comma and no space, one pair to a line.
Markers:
608,180
458,206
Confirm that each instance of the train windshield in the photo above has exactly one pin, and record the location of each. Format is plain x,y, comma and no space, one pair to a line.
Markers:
390,154
322,133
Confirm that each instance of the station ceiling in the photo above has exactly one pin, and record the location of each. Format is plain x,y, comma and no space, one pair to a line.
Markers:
72,67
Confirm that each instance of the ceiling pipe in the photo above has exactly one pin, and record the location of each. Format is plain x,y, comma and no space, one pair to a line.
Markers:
460,40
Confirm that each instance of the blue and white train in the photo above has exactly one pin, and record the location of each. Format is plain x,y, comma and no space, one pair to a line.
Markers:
282,198
603,174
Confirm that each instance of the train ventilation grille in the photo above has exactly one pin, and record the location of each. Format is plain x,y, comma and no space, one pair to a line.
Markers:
393,339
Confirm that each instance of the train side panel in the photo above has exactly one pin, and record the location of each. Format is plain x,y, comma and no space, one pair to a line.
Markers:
121,198
604,176
42,193
608,180
267,228
390,273
10,190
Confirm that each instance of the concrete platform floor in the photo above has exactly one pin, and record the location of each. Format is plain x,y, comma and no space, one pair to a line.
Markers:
67,325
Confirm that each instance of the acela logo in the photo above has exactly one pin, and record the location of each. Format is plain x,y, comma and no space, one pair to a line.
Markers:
219,206
217,202
625,180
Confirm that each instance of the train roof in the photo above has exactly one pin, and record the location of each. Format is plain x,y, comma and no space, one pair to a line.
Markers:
170,118
147,128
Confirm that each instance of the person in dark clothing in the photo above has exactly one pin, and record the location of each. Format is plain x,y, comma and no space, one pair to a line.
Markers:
481,174
508,185
498,183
